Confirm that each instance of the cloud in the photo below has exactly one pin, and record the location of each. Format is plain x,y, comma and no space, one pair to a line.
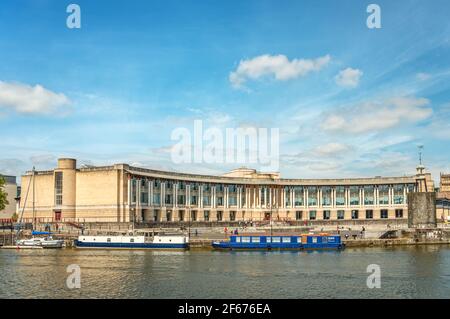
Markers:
423,76
27,99
348,78
377,116
277,65
331,149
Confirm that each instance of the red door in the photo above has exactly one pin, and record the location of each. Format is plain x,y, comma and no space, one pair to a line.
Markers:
58,216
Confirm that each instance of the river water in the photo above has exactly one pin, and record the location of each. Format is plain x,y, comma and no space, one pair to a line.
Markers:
406,272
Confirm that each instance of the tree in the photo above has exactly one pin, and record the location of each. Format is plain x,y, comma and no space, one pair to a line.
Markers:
3,199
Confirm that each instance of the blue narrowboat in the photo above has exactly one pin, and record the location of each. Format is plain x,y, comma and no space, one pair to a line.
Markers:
278,242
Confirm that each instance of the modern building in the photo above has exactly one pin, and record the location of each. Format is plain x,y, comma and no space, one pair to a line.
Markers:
123,193
11,190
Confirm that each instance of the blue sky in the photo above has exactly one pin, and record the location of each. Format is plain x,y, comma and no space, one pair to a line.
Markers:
114,90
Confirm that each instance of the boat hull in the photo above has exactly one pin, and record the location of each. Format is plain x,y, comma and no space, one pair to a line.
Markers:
232,246
82,244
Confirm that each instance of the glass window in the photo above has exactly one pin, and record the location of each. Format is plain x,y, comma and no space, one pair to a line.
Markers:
326,196
286,239
340,195
298,196
399,197
193,200
354,195
232,200
369,214
206,215
355,214
255,239
232,216
287,192
299,215
238,239
245,239
326,214
156,199
312,215
219,201
340,214
206,200
383,191
369,195
384,213
58,188
312,196
194,215
181,200
276,239
219,216
399,213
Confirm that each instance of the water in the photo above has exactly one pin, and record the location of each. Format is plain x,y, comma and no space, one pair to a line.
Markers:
407,272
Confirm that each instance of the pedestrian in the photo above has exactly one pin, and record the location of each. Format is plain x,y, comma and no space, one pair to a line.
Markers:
196,233
225,230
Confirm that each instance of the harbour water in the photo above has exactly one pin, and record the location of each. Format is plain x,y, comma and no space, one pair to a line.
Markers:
406,272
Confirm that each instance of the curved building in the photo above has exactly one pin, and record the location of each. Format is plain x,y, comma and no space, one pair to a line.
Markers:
123,193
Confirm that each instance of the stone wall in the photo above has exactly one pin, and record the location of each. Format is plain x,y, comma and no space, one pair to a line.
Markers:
422,210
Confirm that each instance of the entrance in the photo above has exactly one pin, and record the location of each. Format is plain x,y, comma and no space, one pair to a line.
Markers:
267,216
58,215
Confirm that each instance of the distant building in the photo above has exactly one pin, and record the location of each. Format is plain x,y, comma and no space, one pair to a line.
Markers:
443,198
123,193
12,193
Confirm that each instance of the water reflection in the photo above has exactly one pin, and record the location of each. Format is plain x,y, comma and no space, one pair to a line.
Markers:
407,272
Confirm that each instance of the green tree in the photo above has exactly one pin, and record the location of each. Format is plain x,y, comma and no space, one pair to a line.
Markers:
3,199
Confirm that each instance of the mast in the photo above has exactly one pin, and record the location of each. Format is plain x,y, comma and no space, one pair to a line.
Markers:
34,184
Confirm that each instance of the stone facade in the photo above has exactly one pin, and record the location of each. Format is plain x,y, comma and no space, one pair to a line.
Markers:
123,193
422,210
11,191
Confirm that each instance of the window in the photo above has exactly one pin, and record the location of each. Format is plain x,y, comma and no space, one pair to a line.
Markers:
181,185
399,197
276,239
156,199
298,196
181,215
156,184
232,188
368,195
169,215
232,216
340,196
399,213
207,187
168,199
326,196
355,214
169,185
206,215
312,196
287,192
286,239
369,214
340,214
255,239
220,201
384,213
193,200
108,240
219,188
219,216
131,240
312,215
245,239
354,195
181,200
58,188
326,214
194,215
383,191
232,200
206,200
299,215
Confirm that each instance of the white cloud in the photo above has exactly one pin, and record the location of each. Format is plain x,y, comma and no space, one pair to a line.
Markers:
29,99
377,116
423,76
277,65
331,149
348,77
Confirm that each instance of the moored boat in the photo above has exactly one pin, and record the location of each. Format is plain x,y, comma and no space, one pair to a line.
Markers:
281,242
134,241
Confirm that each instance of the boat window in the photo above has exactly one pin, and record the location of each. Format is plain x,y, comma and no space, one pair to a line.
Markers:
245,239
324,239
238,239
314,240
108,240
255,239
330,239
131,240
268,239
276,239
286,239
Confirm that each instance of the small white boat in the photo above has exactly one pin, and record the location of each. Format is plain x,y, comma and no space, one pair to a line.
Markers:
134,241
44,242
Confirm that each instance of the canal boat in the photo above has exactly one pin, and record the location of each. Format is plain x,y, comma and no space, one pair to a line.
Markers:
134,241
280,242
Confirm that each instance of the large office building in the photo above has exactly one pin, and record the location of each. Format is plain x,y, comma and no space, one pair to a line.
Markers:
123,193
11,190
